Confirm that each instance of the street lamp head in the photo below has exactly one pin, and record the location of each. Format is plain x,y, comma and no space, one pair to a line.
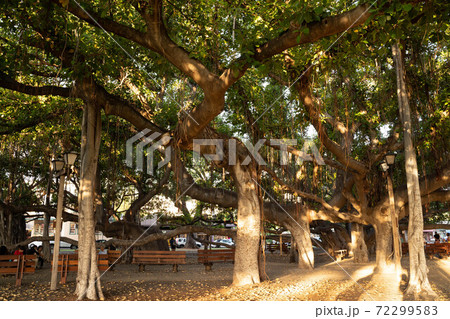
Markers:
69,158
384,166
57,164
390,158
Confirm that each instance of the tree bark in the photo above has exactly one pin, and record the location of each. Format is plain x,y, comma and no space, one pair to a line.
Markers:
293,252
246,268
394,223
3,241
58,226
383,235
358,245
418,284
88,277
301,234
46,251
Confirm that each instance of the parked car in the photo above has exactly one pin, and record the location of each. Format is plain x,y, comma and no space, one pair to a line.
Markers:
62,244
227,241
181,242
35,243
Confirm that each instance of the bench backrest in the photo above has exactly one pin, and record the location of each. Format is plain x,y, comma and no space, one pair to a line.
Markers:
216,255
159,257
18,265
9,264
69,262
437,248
442,244
102,262
29,264
442,247
113,256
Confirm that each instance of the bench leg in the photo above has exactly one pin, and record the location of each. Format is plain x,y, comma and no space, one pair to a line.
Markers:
63,278
19,271
141,267
175,268
208,266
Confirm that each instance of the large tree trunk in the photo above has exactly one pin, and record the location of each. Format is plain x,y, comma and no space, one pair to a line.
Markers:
13,228
88,277
383,235
293,252
246,268
301,234
343,237
418,279
358,245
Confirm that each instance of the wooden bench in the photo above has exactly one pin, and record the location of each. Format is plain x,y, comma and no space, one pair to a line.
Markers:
69,263
208,257
103,262
340,254
276,247
113,257
17,265
66,263
158,257
441,249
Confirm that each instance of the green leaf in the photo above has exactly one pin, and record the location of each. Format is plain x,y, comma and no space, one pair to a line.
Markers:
407,7
318,10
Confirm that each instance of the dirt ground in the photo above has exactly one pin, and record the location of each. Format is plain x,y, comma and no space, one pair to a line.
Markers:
328,281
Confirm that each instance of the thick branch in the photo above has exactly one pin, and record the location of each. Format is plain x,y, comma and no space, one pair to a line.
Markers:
10,84
294,36
144,198
41,238
304,90
114,105
109,25
428,185
9,128
172,233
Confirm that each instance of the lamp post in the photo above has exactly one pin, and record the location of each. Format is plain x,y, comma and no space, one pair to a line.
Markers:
62,168
386,167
